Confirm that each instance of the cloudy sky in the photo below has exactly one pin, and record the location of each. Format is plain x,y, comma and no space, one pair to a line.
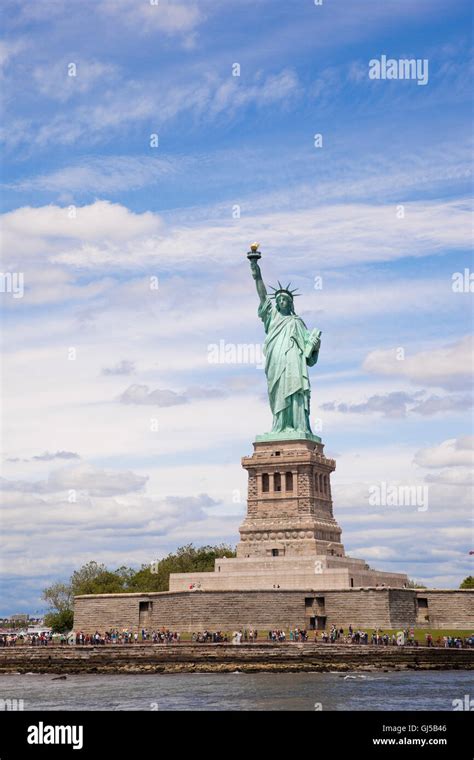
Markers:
145,146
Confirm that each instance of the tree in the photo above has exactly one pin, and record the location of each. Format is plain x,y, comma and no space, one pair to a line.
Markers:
85,575
59,596
467,582
414,584
187,559
60,622
95,578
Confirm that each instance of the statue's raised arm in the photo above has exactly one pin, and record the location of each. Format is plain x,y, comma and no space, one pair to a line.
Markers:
253,257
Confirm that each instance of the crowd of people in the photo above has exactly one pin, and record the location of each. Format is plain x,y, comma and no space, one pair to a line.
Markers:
32,639
336,635
379,638
207,637
453,641
114,636
277,635
296,634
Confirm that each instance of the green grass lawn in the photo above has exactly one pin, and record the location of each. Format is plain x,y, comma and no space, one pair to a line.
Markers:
420,633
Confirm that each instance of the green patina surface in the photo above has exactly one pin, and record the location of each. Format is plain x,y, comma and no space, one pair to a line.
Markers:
289,348
288,435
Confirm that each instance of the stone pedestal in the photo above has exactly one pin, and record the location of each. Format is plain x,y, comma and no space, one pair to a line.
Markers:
289,512
289,538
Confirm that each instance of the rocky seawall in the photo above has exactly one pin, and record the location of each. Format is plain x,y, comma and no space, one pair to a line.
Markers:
214,658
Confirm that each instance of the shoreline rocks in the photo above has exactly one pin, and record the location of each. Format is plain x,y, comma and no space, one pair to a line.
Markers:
227,658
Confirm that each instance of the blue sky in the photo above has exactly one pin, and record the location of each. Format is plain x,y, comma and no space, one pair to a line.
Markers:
91,212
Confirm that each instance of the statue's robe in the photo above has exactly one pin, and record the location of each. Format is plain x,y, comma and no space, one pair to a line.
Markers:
288,351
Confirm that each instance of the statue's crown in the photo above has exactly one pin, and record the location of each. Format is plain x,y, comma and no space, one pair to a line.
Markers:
281,289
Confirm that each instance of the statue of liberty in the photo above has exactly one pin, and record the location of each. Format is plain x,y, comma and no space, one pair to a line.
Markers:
289,349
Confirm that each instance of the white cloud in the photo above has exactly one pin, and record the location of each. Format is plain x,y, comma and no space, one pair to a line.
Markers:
171,17
52,284
230,95
457,476
94,222
95,481
141,101
63,536
93,233
447,367
82,477
124,367
377,552
444,404
55,81
36,418
10,48
392,404
400,403
105,234
454,452
47,456
111,174
366,299
141,394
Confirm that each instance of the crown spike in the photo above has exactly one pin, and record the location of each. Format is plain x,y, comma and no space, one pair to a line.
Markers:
288,290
